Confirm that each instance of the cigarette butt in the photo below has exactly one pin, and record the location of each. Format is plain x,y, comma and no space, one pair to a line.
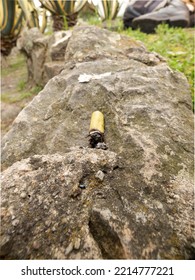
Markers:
97,122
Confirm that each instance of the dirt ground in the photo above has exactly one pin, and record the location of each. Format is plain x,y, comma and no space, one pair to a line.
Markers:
15,91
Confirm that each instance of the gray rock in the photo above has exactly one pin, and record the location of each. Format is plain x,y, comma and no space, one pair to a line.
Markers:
77,243
143,208
100,175
69,249
58,49
89,43
38,57
23,195
33,233
52,69
35,47
125,223
41,50
146,110
27,38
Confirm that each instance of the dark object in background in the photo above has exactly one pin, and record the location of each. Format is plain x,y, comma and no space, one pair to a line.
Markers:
191,7
141,7
148,14
176,14
192,19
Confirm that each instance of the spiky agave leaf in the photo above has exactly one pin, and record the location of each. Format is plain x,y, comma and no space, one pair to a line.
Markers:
108,10
44,20
49,5
63,7
10,23
30,13
79,5
63,11
72,8
114,8
12,13
10,18
55,7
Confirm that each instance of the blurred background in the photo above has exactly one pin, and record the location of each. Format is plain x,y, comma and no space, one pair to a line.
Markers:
175,44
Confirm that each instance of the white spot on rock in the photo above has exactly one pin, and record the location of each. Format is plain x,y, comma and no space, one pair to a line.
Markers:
141,217
100,175
69,249
77,243
85,78
23,195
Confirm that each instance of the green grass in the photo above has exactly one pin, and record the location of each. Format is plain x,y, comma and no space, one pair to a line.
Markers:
36,89
16,64
22,94
176,45
7,98
21,85
15,76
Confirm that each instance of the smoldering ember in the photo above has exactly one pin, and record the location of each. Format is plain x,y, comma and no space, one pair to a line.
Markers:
62,199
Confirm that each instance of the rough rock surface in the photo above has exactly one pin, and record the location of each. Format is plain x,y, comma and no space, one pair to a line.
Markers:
143,205
42,50
53,68
48,214
59,209
59,47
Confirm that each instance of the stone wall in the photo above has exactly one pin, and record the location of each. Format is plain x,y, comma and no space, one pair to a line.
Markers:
63,200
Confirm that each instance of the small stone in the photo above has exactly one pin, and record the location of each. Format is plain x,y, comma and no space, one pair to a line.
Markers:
11,185
193,245
53,229
77,243
36,245
101,195
69,249
100,175
64,221
15,223
75,193
102,146
48,223
159,205
23,195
